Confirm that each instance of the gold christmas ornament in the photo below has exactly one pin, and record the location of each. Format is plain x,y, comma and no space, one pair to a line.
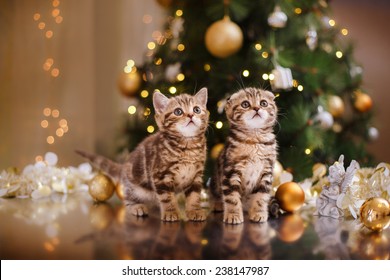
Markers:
290,196
336,106
120,191
291,228
101,188
129,83
278,169
223,38
363,102
216,150
375,213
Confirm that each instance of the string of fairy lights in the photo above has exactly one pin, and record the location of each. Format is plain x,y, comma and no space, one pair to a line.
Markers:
53,126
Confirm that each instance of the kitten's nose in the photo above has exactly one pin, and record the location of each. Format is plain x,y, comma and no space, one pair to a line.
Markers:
190,116
256,109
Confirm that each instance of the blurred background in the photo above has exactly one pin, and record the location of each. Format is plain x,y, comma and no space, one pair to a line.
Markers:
60,61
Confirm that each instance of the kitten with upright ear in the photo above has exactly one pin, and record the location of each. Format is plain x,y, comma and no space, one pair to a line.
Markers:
169,161
245,165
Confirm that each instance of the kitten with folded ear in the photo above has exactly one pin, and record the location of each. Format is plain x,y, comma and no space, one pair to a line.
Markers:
169,161
245,165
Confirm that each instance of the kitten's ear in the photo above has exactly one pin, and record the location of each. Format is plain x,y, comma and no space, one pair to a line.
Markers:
201,96
269,94
160,102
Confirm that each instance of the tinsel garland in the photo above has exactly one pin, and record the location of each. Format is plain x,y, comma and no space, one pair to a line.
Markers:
44,178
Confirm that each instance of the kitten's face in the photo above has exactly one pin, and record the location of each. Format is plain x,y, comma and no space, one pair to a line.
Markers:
184,114
252,108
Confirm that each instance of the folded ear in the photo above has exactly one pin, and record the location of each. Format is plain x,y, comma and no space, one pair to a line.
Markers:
269,94
160,102
201,96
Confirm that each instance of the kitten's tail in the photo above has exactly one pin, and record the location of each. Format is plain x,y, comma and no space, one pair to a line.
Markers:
105,165
273,207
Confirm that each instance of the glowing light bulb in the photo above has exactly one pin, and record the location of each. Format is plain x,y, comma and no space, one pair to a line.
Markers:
344,31
332,22
172,90
151,45
264,54
265,76
308,151
219,125
339,54
150,129
300,88
258,46
207,67
180,47
144,93
132,109
245,73
298,11
180,77
179,13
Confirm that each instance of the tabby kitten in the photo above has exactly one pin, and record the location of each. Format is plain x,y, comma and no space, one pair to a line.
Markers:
167,162
245,165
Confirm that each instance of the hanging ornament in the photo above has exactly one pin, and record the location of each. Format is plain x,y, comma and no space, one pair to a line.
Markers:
336,106
375,213
277,171
363,101
172,71
324,118
312,39
129,83
290,196
277,18
290,228
101,188
373,133
223,38
282,78
216,150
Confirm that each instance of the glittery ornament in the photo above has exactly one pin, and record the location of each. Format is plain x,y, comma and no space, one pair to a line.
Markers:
363,101
129,83
277,18
223,38
101,215
290,196
375,213
101,187
336,106
373,133
282,78
312,39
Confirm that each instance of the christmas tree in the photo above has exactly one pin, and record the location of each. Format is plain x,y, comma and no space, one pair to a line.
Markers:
291,47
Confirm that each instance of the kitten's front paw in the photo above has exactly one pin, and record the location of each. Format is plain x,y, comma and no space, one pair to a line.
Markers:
170,216
233,218
139,210
196,215
258,217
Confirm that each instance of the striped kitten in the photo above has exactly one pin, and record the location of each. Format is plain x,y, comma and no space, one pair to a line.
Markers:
167,162
245,165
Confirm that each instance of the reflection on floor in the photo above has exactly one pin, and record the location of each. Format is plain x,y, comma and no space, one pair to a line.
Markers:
73,227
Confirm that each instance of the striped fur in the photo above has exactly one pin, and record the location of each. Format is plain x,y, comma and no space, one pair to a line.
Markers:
245,165
169,161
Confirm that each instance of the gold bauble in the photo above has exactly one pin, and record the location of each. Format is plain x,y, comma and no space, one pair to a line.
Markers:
101,215
129,83
290,196
101,188
223,38
291,227
120,191
336,106
216,150
363,101
375,213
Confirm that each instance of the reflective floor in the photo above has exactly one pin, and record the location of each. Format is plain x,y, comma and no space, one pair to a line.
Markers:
73,227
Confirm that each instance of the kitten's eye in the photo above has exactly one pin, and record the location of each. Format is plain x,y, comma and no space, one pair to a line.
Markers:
263,103
197,110
245,104
178,112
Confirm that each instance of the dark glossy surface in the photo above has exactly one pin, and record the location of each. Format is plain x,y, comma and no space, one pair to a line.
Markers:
73,227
